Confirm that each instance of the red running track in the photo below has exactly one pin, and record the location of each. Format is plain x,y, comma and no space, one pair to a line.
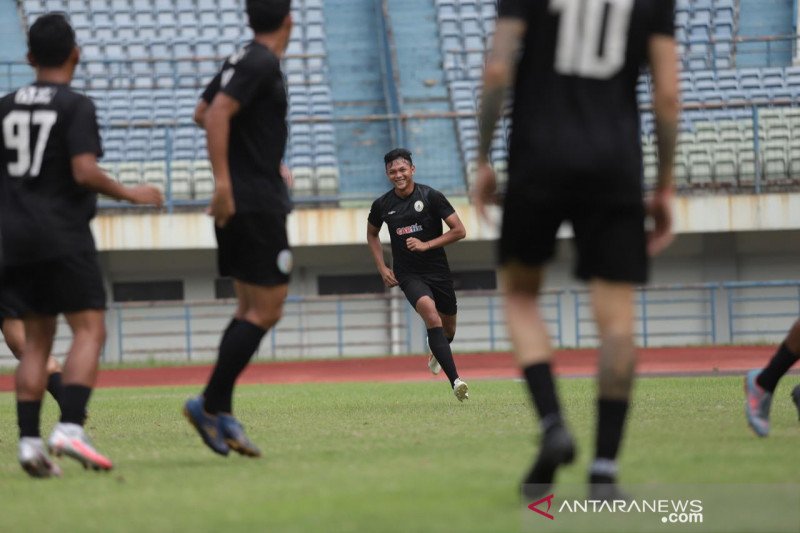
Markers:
652,362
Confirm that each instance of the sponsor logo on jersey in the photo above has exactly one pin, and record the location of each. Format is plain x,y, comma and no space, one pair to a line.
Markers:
418,206
409,229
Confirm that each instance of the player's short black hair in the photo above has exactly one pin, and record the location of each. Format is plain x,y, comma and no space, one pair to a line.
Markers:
397,153
51,40
267,15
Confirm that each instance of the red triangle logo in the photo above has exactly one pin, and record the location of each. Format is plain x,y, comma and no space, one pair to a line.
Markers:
546,514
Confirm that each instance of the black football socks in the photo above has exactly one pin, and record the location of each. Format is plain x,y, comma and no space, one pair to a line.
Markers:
539,377
74,399
54,386
239,342
779,365
611,415
440,347
28,418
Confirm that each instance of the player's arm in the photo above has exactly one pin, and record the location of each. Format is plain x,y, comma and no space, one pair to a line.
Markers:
374,242
217,122
455,233
666,108
88,174
200,113
498,76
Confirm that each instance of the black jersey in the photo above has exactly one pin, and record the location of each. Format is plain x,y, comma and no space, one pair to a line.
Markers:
45,214
575,116
252,77
419,215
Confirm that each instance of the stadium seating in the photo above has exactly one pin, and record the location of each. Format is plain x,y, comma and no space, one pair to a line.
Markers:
704,30
146,61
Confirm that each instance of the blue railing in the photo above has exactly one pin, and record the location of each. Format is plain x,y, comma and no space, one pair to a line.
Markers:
373,325
685,312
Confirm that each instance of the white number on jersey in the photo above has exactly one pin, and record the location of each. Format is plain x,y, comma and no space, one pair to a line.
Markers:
17,136
592,36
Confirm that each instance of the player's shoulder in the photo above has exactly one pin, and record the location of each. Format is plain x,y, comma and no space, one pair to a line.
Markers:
427,190
384,198
254,56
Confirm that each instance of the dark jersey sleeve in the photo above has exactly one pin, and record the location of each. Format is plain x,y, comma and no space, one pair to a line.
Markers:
83,135
248,73
513,9
211,89
441,205
375,218
664,17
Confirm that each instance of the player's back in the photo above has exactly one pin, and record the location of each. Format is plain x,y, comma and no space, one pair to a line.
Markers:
45,213
575,115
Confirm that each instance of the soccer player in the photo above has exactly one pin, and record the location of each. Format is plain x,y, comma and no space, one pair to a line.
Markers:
13,331
759,384
414,214
575,156
243,111
49,178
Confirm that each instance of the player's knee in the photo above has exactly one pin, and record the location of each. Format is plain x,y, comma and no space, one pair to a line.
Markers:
793,338
94,334
264,318
16,346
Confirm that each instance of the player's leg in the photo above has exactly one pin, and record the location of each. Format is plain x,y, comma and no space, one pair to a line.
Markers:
534,352
14,333
80,374
612,256
253,249
418,292
30,381
759,384
449,326
444,298
613,307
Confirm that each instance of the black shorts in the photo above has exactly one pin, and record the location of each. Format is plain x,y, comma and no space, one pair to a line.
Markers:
438,288
610,240
254,248
64,285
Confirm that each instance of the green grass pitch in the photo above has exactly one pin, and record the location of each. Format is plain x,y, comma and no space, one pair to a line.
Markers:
374,456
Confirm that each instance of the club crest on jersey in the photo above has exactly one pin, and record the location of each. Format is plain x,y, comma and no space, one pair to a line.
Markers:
409,229
418,206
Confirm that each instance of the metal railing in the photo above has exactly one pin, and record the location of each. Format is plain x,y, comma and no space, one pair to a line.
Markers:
379,325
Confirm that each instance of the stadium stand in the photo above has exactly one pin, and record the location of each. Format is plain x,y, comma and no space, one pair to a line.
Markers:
716,146
145,63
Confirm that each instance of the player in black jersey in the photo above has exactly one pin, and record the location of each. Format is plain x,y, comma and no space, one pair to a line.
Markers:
49,180
414,213
243,111
575,155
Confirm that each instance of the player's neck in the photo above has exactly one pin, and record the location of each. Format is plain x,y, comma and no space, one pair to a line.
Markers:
271,41
54,75
406,191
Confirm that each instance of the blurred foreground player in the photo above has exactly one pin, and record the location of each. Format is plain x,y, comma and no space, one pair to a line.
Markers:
575,156
13,330
243,111
50,178
759,384
414,213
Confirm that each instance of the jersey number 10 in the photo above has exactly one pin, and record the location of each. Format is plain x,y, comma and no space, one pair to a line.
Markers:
17,136
592,36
